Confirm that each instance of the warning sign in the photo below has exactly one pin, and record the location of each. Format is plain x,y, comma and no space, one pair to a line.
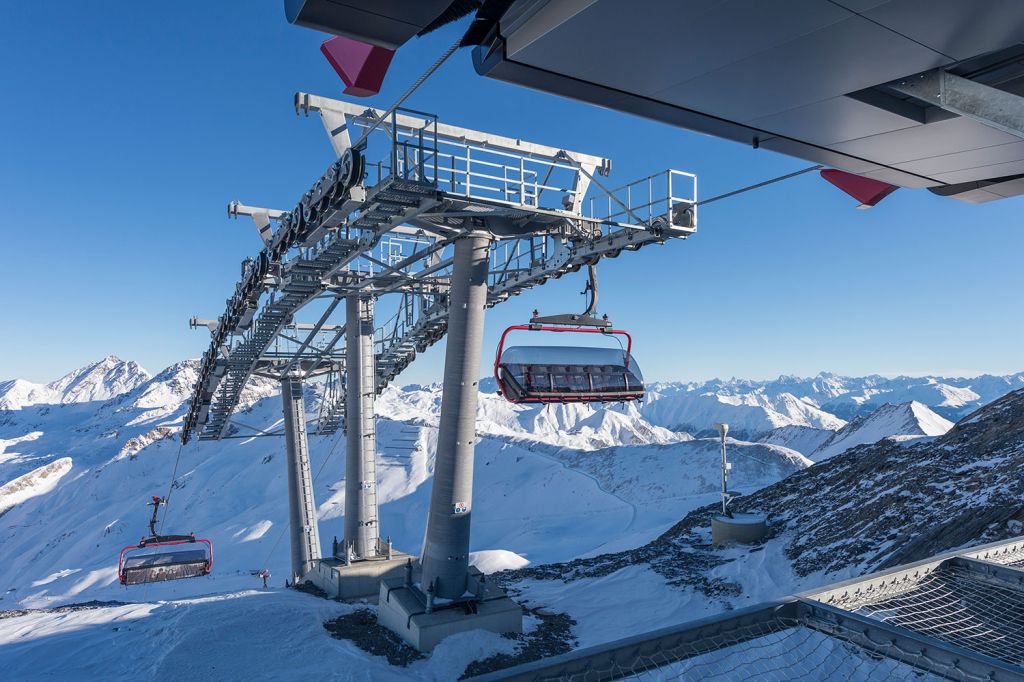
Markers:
460,508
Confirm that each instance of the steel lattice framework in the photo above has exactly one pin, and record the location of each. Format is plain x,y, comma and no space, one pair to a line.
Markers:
388,227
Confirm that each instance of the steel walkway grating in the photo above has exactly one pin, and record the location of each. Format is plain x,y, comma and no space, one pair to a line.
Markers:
955,605
956,616
776,651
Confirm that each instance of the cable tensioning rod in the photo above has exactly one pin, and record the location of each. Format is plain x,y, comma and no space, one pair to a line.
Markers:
419,81
170,488
760,184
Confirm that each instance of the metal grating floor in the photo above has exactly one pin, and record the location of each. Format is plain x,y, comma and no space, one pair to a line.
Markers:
784,651
954,605
957,616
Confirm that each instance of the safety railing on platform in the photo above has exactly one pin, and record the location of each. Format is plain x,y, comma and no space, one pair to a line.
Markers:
668,196
463,167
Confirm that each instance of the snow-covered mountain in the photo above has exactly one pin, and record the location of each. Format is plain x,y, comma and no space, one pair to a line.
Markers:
848,397
75,477
602,514
100,380
748,414
576,425
901,422
803,439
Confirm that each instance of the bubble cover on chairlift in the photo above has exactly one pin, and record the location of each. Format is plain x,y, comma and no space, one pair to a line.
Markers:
569,355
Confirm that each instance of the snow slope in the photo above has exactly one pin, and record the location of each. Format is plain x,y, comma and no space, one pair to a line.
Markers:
905,420
803,439
657,480
578,507
37,482
535,485
748,414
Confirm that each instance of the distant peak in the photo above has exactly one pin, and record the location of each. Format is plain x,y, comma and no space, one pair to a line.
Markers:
99,380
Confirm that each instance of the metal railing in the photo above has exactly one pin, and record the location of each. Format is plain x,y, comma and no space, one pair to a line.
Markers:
670,195
472,169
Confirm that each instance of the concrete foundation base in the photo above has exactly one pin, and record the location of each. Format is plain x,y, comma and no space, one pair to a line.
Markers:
402,610
358,580
743,529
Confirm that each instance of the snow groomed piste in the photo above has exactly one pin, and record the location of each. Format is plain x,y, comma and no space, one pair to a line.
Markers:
432,223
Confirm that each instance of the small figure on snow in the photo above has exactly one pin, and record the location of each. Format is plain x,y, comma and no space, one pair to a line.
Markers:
265,573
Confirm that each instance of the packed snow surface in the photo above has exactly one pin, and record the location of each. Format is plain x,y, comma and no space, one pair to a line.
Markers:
241,635
494,560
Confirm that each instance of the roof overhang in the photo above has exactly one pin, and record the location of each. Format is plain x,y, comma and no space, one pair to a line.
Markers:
813,79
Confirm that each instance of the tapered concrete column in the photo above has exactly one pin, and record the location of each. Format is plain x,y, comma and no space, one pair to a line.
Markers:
305,535
361,528
445,557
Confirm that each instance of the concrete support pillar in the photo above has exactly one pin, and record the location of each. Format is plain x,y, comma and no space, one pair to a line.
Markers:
361,525
445,558
305,535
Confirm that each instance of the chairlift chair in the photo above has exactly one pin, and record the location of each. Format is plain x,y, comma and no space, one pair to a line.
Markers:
569,374
164,557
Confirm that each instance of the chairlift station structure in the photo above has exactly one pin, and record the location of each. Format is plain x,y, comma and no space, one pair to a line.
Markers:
430,224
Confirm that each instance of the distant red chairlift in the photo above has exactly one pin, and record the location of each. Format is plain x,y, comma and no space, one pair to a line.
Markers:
150,561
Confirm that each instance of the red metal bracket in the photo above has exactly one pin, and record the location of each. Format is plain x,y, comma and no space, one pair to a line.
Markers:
362,66
865,190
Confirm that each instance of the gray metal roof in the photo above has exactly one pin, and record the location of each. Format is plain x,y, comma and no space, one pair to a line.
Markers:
803,77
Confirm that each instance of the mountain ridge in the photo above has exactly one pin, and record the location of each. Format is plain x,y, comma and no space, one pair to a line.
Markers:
904,420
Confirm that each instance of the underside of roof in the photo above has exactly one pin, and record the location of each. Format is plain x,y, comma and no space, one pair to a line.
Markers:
808,78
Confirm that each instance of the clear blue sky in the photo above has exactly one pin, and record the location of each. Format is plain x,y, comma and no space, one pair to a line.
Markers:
127,127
